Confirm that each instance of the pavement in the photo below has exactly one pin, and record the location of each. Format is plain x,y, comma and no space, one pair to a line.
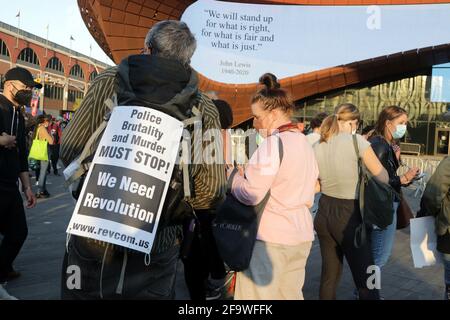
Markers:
41,258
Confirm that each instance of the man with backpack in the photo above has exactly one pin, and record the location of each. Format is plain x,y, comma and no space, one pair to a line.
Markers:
160,78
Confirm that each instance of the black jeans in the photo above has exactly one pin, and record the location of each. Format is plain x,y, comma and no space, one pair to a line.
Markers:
203,258
101,268
13,227
54,157
335,225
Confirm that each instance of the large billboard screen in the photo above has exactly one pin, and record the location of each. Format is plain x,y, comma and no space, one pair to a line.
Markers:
238,42
440,83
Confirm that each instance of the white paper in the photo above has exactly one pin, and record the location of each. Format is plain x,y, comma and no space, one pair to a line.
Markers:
125,189
423,242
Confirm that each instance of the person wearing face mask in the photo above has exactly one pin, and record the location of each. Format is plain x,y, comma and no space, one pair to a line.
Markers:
391,126
13,165
285,234
338,216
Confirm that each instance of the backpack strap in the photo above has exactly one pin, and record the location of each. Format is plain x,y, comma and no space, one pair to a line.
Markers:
360,231
111,103
197,117
184,162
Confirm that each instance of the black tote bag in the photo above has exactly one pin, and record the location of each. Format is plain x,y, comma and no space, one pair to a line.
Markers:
236,226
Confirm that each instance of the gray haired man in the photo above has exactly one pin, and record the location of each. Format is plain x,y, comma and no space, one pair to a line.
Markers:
161,74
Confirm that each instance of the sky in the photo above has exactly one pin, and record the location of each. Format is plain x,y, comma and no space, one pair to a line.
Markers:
63,18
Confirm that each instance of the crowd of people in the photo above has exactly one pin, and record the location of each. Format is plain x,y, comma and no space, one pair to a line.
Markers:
316,173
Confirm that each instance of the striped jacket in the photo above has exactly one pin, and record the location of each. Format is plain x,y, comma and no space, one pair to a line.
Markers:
209,180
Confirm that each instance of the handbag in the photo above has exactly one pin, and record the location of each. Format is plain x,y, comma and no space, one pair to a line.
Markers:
376,201
38,149
404,213
236,226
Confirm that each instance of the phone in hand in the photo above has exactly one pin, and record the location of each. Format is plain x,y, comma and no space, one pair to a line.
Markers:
419,176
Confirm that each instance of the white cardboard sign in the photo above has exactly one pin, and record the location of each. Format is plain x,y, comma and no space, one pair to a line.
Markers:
423,242
126,185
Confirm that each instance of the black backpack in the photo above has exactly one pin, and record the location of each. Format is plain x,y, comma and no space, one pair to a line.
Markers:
176,207
376,200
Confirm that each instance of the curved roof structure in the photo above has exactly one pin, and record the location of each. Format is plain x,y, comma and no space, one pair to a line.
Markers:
120,26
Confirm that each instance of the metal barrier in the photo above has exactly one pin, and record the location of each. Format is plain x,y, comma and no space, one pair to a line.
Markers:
410,148
426,166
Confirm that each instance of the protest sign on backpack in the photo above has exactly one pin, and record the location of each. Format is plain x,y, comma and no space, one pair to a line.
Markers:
126,186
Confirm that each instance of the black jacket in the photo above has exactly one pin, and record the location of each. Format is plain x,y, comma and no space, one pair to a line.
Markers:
386,155
15,161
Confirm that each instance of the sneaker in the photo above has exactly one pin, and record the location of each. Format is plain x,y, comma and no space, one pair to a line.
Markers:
213,294
43,195
4,295
221,289
214,289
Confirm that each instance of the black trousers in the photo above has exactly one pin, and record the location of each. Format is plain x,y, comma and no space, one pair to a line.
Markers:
13,227
102,268
335,225
54,157
202,259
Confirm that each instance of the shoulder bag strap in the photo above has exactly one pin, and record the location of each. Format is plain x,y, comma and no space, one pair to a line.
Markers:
360,231
37,133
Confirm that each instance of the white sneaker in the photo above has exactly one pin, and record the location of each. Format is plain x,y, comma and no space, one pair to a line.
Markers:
4,295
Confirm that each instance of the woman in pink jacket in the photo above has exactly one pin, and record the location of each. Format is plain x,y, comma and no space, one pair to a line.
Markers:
285,235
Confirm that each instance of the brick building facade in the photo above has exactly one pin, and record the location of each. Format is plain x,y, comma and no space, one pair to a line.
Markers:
65,74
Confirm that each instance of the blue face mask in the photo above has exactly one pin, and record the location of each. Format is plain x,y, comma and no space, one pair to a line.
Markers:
400,131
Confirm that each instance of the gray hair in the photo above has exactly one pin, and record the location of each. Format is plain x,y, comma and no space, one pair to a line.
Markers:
171,39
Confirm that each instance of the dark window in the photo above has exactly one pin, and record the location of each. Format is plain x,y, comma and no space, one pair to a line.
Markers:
2,81
93,75
74,95
3,49
53,92
55,64
29,56
77,72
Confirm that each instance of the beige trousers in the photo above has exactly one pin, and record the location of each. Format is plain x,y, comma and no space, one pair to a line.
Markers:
276,272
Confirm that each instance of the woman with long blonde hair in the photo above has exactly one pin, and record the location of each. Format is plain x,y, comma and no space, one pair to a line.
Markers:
338,215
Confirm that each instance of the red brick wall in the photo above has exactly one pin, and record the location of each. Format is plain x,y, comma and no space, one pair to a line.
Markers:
40,51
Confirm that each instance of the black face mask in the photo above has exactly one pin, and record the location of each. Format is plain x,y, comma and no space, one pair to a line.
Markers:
23,97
